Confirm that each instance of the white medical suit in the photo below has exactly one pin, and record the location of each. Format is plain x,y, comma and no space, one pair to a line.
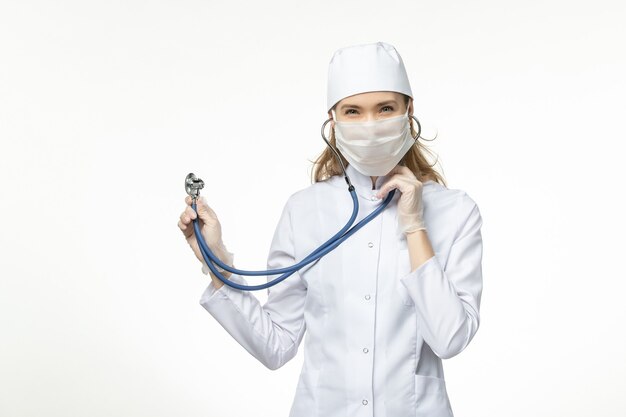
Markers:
376,331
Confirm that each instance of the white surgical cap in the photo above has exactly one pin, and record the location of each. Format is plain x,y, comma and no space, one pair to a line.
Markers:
364,68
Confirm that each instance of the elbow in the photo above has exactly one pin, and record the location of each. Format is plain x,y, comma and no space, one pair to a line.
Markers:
449,350
458,340
275,362
272,366
447,353
277,358
271,361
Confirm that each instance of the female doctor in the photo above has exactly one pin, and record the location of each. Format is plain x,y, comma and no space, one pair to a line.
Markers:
385,307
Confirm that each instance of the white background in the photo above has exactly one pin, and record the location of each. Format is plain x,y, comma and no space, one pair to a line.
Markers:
106,106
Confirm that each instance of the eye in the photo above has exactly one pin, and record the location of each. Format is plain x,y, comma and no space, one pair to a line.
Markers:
388,107
347,111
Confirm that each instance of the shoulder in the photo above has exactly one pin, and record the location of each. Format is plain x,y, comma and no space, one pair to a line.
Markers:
441,196
310,193
304,201
454,203
467,213
456,196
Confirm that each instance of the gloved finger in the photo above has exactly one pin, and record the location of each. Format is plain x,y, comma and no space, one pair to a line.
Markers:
409,185
205,212
190,212
394,170
187,231
404,170
386,187
189,201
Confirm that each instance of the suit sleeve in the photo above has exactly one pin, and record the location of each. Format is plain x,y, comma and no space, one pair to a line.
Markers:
448,301
271,332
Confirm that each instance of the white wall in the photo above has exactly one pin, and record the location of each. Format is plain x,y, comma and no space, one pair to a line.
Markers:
106,106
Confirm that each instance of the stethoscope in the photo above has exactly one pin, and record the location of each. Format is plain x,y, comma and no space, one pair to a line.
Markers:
193,185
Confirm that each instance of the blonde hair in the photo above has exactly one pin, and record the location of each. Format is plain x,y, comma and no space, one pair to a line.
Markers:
326,165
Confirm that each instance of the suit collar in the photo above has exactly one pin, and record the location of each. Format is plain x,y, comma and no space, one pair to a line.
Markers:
363,183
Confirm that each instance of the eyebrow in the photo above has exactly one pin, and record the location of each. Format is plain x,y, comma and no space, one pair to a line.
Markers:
358,107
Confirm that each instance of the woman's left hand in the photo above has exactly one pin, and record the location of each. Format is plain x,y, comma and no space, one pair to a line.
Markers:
410,207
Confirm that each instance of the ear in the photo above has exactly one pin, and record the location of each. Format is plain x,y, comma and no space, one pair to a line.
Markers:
332,122
410,107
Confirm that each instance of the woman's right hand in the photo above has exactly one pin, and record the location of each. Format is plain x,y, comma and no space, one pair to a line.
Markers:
210,227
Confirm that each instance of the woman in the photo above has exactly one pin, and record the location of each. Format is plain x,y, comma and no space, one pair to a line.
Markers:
387,305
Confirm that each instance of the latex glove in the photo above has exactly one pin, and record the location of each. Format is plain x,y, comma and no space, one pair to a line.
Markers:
410,207
225,257
211,230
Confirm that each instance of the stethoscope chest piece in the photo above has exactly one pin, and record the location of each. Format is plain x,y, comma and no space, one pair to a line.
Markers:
193,185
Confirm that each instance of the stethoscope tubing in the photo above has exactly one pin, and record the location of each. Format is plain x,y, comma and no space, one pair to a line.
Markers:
329,245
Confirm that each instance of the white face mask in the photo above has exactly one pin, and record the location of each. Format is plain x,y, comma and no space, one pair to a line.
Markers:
374,148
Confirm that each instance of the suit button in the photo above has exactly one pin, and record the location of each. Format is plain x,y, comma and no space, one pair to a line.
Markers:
367,297
370,244
364,402
365,350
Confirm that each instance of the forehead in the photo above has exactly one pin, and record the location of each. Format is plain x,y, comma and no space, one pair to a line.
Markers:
371,98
